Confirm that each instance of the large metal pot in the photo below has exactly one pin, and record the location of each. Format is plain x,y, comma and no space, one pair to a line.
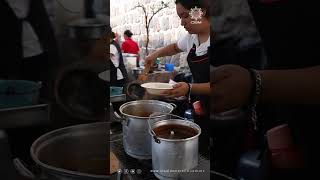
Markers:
73,153
87,28
136,138
174,147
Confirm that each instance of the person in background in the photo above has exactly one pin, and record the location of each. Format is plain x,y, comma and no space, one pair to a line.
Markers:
129,45
28,42
117,38
118,72
29,52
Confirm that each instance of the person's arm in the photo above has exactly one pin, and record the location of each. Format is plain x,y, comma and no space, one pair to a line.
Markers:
182,89
169,50
299,86
200,88
232,87
113,51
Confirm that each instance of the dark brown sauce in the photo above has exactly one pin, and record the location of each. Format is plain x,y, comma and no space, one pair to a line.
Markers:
174,131
142,114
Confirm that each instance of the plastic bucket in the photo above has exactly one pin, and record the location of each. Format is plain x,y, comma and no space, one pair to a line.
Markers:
169,67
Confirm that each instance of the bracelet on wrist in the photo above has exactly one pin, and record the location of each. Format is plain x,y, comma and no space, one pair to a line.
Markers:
255,94
189,92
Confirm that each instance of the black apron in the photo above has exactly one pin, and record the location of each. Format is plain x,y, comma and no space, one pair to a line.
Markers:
200,69
113,69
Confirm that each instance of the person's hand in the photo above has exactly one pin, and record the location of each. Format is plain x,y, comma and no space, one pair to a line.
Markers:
230,88
148,62
179,89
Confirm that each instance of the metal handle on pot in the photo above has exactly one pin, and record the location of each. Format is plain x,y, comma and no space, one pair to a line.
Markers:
22,169
174,105
116,115
153,133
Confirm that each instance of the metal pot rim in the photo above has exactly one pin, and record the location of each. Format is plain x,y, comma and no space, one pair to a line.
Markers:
57,169
178,122
87,23
145,102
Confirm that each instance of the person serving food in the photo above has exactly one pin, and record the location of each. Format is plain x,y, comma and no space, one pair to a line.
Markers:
194,17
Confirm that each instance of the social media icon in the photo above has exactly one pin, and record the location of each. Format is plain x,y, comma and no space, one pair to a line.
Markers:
139,171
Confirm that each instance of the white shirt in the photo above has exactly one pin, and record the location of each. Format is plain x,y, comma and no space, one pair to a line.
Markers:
186,42
30,42
115,60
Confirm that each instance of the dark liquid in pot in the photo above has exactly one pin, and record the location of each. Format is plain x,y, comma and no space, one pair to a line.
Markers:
174,131
142,114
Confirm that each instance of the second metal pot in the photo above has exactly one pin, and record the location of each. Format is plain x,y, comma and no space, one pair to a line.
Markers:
135,127
174,147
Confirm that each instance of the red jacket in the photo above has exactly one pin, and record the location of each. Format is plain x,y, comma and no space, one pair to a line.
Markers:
130,46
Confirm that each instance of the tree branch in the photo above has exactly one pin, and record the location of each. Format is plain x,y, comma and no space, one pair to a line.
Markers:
147,22
164,5
143,8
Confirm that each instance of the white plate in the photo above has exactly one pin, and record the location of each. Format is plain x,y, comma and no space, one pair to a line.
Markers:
156,88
